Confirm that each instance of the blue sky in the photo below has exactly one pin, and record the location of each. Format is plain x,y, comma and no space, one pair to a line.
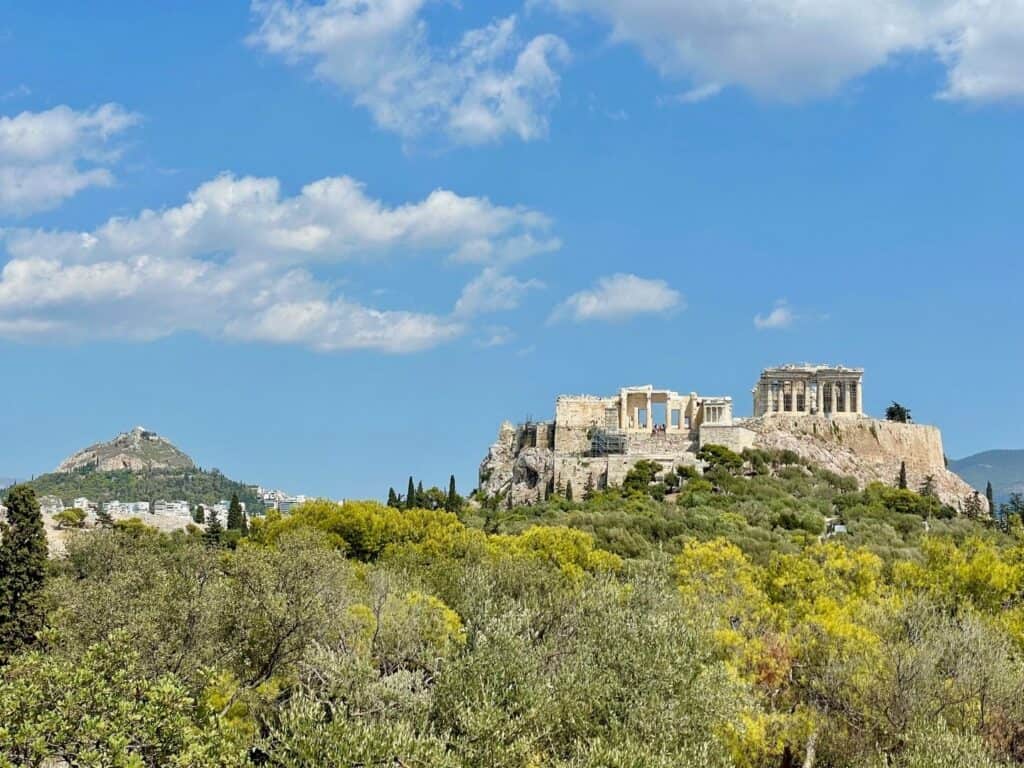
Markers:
323,247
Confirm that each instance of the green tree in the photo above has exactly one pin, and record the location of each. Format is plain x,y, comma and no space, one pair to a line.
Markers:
568,491
22,570
452,503
1014,506
392,498
104,520
588,487
901,479
990,496
973,506
897,412
214,529
421,497
72,517
236,518
720,456
410,495
928,486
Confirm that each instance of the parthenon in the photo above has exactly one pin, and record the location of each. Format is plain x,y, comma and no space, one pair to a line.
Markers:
810,389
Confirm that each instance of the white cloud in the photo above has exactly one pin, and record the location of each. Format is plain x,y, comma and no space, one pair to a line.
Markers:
794,49
487,86
617,297
236,261
700,93
492,291
495,336
781,316
47,157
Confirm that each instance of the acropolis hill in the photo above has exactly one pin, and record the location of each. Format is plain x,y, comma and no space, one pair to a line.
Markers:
814,410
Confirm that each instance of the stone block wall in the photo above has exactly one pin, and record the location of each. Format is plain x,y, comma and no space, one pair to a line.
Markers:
735,438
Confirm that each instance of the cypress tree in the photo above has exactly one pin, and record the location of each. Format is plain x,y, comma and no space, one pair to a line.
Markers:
568,491
22,570
450,503
421,497
588,487
236,518
392,498
991,499
410,496
902,480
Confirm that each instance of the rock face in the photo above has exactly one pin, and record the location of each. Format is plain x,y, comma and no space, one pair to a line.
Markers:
137,450
524,470
868,449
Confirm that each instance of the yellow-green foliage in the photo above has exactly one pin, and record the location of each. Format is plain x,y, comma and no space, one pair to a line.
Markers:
719,628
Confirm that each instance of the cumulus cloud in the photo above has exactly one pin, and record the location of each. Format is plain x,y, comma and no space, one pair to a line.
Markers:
781,316
617,297
792,49
493,291
47,157
237,261
488,85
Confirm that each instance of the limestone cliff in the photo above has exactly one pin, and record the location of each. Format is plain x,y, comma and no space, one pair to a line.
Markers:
137,450
867,449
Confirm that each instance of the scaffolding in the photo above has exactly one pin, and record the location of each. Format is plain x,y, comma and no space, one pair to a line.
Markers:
604,441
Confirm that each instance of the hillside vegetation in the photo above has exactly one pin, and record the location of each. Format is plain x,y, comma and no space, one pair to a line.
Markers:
195,486
677,621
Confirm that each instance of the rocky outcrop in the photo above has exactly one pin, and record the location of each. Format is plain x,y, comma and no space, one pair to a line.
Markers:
137,450
867,449
523,470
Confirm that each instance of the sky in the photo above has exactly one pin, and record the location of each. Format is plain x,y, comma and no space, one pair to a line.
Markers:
325,246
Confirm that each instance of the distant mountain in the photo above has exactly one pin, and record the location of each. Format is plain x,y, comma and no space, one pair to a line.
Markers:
137,450
1004,469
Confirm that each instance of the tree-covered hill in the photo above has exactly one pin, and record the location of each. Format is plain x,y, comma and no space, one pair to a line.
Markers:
196,486
765,614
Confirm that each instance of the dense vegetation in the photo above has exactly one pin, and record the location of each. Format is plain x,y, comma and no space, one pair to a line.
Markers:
681,620
196,486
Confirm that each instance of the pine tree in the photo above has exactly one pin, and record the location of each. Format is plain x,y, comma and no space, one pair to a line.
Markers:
991,499
392,498
928,486
902,479
410,496
213,527
972,506
568,491
236,518
22,570
103,518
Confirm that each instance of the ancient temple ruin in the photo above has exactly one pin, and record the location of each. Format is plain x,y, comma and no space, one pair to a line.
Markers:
810,389
815,410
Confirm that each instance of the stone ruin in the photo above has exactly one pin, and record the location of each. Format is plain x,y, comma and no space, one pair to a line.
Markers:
813,410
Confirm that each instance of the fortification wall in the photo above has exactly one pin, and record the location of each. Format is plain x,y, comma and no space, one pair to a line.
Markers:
735,438
574,415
